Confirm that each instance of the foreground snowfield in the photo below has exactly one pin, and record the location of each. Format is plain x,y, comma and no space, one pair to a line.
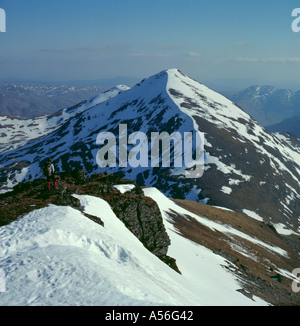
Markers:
57,256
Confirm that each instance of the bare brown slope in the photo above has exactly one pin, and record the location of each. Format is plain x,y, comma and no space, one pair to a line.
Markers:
259,269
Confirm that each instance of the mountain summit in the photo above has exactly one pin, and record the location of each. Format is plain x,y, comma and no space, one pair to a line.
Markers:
246,167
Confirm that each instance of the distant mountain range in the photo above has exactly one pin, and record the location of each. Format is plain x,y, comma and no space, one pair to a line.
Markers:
268,105
34,100
291,125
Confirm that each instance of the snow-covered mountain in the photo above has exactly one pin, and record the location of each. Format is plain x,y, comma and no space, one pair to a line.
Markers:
268,105
16,131
246,167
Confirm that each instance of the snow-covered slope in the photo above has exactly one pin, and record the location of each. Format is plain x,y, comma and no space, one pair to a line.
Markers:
16,131
56,256
246,167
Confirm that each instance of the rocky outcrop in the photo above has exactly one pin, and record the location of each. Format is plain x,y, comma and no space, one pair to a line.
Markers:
140,214
142,217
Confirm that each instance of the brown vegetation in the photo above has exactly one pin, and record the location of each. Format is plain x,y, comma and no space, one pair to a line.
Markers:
257,267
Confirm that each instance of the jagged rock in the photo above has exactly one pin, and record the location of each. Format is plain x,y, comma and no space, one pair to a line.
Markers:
94,219
105,189
143,218
67,199
137,190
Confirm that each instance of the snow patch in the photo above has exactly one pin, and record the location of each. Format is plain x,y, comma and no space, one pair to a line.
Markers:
253,215
226,190
124,187
282,229
224,208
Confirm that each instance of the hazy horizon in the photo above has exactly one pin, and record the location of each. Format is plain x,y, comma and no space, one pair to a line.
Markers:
216,84
227,45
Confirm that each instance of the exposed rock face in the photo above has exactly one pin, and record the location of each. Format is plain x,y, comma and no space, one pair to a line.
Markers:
67,199
143,218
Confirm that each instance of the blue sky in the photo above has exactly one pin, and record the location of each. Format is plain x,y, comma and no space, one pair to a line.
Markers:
225,44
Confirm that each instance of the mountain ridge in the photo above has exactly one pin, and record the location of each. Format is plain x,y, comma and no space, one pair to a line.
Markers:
253,253
246,166
32,100
16,131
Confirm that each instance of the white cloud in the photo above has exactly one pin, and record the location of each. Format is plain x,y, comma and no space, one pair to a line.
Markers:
246,59
193,54
295,59
269,60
